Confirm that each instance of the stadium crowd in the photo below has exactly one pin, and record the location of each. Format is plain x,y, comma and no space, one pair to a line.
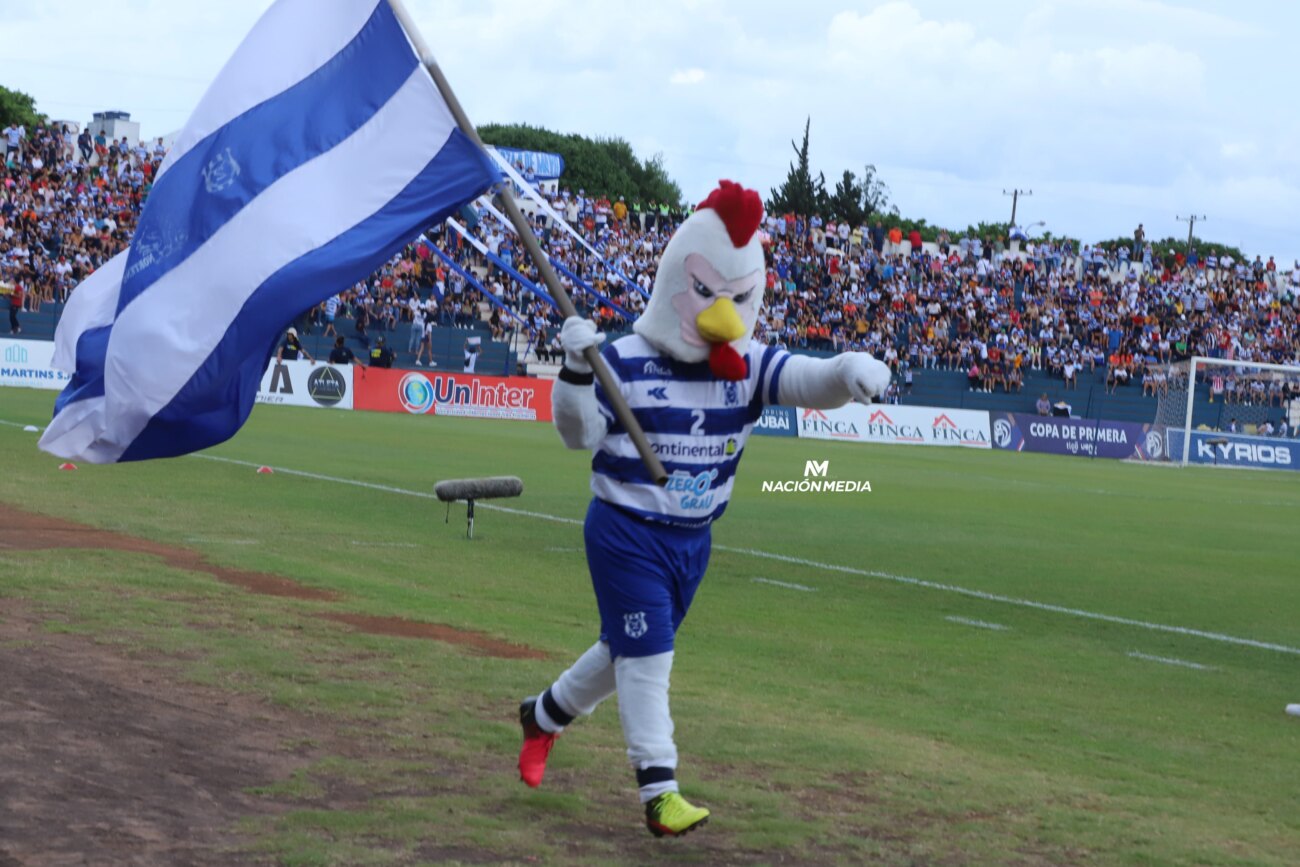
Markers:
68,203
987,306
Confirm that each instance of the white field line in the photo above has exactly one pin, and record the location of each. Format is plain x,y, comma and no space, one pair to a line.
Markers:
786,584
366,544
978,624
831,567
1169,660
1011,600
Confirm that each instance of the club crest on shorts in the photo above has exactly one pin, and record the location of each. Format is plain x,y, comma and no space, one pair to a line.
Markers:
634,624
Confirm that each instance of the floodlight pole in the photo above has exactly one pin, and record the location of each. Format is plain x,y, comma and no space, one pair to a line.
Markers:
592,354
1015,200
1191,221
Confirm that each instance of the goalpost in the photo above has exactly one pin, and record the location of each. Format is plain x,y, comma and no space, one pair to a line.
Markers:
1257,398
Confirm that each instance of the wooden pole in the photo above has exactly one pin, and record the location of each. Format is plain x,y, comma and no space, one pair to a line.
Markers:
622,411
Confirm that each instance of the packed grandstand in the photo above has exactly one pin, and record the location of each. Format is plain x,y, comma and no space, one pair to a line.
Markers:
992,309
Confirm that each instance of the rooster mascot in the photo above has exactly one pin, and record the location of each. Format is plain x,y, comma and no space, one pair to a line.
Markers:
697,384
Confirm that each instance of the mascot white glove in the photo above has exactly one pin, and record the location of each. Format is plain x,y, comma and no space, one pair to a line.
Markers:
576,335
865,377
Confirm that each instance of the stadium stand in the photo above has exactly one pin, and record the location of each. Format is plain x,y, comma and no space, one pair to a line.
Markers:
983,323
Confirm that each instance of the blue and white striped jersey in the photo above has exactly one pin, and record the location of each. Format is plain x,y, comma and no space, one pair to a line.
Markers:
696,423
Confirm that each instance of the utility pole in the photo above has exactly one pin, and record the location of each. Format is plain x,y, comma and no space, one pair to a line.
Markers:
1015,199
1191,221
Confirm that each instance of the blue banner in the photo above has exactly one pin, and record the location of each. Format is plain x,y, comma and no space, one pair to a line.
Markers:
1236,450
777,421
1084,437
545,166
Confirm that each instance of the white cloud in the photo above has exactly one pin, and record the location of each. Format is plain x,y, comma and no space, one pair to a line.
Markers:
1114,111
694,75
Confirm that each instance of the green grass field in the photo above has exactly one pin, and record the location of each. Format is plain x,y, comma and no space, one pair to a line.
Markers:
853,721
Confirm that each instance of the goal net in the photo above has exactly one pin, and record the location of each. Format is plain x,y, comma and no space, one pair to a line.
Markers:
1219,411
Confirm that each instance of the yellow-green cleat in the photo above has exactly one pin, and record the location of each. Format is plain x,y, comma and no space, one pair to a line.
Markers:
671,815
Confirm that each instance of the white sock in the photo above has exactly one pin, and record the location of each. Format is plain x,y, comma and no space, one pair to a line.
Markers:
654,790
586,683
643,708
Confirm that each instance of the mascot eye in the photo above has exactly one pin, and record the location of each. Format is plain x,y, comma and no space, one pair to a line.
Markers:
702,290
743,297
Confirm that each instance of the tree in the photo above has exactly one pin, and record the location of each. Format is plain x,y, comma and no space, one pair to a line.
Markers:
601,167
656,183
875,194
846,202
20,108
801,193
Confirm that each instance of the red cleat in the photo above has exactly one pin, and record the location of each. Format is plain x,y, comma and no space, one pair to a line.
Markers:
537,745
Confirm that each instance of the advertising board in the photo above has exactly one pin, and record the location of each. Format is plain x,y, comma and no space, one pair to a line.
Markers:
302,383
453,394
1083,437
892,423
26,364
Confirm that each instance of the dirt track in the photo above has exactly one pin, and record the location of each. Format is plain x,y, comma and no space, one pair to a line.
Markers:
108,760
104,760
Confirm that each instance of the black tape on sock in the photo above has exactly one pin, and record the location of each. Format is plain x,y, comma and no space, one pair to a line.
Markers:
558,716
649,776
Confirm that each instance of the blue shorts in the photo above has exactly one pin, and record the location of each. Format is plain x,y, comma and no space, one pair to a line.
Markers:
645,576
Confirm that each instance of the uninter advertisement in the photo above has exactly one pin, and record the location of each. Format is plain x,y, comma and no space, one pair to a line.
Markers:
890,423
1083,437
1236,450
777,421
302,383
26,364
456,394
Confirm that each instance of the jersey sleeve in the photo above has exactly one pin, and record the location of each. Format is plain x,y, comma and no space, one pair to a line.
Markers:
612,361
771,363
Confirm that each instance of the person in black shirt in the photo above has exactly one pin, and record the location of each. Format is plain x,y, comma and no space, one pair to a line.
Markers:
292,348
381,355
340,354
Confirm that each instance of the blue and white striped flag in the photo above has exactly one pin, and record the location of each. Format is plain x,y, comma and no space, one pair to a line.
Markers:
322,148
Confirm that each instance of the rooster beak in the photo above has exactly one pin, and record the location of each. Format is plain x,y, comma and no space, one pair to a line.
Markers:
720,323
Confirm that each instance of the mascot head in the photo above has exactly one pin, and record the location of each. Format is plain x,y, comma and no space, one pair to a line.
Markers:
709,287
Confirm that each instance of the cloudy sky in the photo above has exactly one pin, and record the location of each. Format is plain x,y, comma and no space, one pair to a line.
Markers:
1113,112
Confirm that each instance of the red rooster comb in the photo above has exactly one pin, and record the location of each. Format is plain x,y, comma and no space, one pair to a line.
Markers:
741,210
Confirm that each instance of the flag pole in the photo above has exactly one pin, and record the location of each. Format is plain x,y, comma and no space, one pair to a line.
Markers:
592,354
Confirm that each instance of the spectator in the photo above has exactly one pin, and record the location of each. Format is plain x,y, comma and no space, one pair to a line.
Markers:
16,297
415,341
292,347
14,135
341,354
86,145
426,343
473,346
330,311
380,354
895,246
878,238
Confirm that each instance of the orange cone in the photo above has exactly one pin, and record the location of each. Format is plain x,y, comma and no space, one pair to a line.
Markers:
264,471
68,466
